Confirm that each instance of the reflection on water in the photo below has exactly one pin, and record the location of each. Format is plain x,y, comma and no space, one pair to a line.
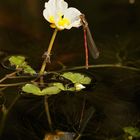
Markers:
116,97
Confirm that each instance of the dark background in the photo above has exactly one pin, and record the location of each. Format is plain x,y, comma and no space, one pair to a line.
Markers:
116,29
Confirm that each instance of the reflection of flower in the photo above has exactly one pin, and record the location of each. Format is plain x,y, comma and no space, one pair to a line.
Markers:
60,16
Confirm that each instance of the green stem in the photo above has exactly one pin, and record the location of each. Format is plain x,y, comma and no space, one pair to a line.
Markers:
48,112
14,84
48,53
104,66
9,76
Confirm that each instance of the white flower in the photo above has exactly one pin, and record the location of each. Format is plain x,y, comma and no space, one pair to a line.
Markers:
79,86
60,16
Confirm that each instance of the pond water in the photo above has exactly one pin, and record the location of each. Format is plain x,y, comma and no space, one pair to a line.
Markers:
116,94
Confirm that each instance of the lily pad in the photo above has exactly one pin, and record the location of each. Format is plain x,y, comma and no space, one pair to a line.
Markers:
77,77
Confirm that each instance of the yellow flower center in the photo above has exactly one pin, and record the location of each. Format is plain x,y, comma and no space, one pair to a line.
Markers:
63,22
51,18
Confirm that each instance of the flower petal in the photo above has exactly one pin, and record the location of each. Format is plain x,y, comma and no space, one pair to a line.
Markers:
73,15
49,10
62,6
55,9
79,86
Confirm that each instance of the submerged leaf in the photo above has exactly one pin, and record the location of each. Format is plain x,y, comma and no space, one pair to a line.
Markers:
133,131
30,88
17,60
77,77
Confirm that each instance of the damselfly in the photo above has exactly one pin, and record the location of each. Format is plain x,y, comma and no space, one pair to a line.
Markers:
89,43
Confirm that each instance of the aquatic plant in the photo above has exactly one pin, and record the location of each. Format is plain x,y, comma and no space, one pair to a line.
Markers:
42,84
46,84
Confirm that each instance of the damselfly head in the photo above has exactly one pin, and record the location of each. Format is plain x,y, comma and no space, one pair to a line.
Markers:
83,21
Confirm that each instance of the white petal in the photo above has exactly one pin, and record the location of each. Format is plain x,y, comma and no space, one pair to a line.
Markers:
62,6
58,6
79,86
51,3
55,8
46,14
49,10
73,15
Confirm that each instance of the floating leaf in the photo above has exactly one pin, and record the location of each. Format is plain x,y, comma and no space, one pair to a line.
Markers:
50,90
77,77
59,85
133,131
85,80
30,88
29,69
17,60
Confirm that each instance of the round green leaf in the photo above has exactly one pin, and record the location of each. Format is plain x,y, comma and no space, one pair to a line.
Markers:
59,85
50,90
77,77
17,60
30,88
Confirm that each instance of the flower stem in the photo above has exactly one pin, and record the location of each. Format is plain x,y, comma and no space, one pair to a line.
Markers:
48,53
13,84
48,112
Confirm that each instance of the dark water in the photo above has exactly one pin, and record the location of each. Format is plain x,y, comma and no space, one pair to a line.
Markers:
116,96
